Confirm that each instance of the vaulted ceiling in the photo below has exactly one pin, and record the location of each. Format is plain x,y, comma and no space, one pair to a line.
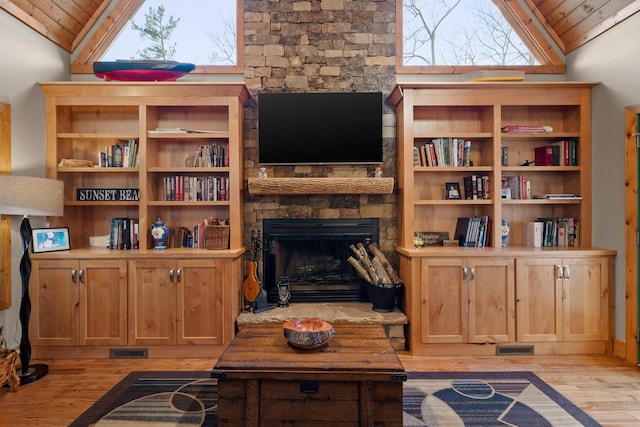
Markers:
570,23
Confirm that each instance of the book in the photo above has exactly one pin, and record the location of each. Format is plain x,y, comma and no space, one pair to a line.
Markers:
544,155
158,131
493,75
466,153
504,156
462,226
557,196
532,234
116,156
515,186
526,128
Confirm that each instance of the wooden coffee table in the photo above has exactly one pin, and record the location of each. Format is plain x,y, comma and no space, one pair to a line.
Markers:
354,380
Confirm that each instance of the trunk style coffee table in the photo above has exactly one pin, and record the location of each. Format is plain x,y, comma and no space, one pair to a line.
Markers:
354,380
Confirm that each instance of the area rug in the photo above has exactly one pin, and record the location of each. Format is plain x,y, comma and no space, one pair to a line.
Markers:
478,399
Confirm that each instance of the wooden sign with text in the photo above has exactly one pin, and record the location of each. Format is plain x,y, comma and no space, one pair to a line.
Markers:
107,194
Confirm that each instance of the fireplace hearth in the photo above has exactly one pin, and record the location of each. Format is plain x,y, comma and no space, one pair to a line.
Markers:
311,255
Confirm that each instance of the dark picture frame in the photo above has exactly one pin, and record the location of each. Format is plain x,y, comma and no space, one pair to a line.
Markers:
50,239
452,191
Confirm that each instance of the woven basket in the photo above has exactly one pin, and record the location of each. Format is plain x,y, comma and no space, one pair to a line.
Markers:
216,237
8,373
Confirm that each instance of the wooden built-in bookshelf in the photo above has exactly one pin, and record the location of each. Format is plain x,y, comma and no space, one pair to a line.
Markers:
194,292
554,298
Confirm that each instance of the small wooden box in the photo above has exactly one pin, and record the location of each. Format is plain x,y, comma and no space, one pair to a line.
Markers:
216,237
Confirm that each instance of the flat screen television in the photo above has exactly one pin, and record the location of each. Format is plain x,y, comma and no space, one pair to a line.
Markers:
320,128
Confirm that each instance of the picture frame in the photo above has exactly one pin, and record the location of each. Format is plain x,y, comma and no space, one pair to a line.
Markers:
452,191
50,239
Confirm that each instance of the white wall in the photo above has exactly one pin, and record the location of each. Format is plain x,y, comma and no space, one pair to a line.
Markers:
26,58
610,59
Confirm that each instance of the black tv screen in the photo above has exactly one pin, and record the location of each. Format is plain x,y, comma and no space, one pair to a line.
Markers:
320,128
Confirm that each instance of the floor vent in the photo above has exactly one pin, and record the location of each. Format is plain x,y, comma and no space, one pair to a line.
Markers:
514,350
128,353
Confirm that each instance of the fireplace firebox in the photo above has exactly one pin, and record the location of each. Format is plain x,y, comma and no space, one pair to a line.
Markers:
311,254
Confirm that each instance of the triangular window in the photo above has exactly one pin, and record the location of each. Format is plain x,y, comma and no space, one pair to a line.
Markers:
204,33
457,35
201,32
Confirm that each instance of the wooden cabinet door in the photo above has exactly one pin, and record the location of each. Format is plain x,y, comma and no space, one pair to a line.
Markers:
55,298
200,285
103,302
443,301
585,299
491,300
539,299
152,302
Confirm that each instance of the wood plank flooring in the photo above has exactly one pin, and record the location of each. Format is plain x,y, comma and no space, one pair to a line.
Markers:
606,387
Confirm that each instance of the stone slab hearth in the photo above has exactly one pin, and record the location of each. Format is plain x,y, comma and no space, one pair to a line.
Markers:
335,313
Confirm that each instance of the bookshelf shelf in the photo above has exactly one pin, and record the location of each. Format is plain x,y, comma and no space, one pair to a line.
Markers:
81,127
477,112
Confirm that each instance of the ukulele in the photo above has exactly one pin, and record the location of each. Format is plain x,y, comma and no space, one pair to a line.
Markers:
251,286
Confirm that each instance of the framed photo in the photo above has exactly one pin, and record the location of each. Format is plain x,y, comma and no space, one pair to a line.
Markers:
50,239
452,191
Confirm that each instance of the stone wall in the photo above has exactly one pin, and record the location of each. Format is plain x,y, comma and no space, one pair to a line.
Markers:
320,46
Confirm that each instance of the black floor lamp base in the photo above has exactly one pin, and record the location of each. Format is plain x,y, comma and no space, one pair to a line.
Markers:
34,373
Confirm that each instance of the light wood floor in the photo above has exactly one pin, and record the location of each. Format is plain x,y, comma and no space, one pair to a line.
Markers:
605,387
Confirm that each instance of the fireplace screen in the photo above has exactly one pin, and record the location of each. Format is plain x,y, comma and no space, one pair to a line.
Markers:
312,256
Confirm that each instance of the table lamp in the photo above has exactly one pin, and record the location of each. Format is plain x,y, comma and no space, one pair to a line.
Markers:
25,195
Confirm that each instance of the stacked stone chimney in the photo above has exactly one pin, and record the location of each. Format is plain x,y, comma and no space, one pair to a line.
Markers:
320,46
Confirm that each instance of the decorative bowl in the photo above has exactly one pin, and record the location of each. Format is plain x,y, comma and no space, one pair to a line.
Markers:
308,334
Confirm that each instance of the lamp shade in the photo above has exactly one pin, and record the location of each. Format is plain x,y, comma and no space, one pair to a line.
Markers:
26,195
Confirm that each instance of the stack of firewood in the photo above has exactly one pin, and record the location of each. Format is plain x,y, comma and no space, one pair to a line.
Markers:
372,265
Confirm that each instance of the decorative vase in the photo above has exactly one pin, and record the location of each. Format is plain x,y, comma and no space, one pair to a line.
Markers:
505,233
159,232
384,300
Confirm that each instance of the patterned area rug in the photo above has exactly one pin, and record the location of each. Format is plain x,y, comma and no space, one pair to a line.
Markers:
478,399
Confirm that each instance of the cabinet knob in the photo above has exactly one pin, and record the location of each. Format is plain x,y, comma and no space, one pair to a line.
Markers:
559,272
179,275
567,272
171,272
74,275
81,275
473,273
465,273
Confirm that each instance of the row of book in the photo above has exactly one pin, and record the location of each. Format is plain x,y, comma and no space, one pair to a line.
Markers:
561,153
551,232
124,233
476,187
209,155
443,152
516,187
196,188
473,232
184,237
120,156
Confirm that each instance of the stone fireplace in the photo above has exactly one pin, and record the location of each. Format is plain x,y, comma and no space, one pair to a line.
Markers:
311,255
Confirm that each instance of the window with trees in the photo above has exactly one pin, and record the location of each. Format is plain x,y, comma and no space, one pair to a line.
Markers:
201,32
450,36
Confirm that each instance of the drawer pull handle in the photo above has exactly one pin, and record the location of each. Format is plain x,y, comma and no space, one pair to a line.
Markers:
309,387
